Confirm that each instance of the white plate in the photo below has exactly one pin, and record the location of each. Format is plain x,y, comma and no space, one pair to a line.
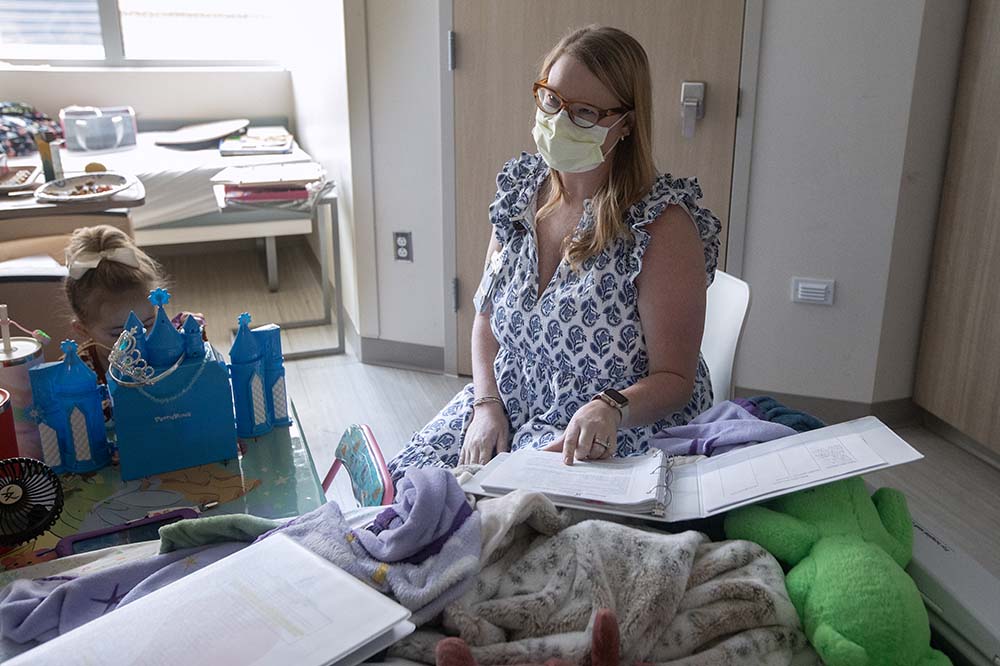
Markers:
62,190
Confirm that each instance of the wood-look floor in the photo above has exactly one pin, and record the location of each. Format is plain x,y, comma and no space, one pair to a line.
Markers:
951,489
221,282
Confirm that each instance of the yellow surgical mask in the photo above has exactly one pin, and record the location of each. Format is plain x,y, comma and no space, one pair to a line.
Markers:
565,146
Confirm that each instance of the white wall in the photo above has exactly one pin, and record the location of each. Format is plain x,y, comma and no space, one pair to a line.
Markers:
934,88
404,77
328,65
156,93
835,88
367,105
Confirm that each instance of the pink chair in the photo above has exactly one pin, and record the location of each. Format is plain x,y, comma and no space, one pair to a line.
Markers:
360,454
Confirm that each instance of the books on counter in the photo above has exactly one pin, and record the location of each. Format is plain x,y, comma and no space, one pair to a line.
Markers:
272,603
651,487
292,174
239,193
257,141
269,182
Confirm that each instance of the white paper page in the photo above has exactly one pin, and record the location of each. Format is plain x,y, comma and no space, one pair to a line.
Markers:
774,468
615,481
272,603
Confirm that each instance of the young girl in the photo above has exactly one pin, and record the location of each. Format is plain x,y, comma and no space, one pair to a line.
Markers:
109,276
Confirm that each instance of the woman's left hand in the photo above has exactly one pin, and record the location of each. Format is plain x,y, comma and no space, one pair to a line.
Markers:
592,433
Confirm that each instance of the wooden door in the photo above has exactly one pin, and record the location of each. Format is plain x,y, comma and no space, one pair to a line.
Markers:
499,49
958,369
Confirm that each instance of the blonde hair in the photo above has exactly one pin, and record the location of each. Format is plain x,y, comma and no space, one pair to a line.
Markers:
109,277
620,63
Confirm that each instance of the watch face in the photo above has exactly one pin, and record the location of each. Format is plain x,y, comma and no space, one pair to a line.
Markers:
616,396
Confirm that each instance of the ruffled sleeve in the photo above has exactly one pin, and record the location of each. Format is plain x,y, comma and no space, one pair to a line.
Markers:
684,192
517,183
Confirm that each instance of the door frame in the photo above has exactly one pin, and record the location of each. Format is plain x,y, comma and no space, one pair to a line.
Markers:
753,16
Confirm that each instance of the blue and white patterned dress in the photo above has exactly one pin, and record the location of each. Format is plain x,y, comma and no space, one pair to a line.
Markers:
582,336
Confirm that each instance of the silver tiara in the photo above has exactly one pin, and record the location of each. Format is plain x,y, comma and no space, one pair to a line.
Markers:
127,366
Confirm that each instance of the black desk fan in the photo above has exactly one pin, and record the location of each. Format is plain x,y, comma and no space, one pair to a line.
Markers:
31,499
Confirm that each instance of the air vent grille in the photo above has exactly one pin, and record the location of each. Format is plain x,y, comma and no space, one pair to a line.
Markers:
812,290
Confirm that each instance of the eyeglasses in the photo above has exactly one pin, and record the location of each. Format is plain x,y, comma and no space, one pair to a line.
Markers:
583,114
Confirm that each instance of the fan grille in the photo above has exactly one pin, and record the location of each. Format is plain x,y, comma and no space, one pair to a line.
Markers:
31,499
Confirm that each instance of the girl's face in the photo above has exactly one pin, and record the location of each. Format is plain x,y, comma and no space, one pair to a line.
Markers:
111,313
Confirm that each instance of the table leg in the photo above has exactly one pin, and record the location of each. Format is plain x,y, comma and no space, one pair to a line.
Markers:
271,252
325,216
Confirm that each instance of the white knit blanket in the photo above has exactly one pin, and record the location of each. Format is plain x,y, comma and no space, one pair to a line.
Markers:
679,598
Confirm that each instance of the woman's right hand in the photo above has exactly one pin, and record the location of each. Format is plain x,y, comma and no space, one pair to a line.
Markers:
486,435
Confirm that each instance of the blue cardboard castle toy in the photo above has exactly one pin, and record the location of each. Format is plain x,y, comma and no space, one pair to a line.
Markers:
171,396
68,410
258,376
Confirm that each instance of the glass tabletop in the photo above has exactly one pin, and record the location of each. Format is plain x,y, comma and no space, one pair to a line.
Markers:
274,477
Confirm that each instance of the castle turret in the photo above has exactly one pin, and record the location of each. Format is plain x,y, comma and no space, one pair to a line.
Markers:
273,367
246,371
135,326
68,407
194,345
164,344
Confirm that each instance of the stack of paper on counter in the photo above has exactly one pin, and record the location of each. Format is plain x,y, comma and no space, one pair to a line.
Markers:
709,486
257,141
273,603
269,182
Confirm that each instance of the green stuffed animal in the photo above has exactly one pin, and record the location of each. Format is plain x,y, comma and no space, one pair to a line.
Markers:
847,552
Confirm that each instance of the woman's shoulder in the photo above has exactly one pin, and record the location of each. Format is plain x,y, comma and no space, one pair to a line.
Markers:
517,183
521,170
686,193
665,191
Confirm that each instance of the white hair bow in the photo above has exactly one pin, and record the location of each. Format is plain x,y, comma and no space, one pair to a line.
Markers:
84,261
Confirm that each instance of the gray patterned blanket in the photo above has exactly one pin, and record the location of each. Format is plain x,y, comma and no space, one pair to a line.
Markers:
679,598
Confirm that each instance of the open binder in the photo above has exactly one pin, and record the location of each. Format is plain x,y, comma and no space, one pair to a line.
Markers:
274,603
653,486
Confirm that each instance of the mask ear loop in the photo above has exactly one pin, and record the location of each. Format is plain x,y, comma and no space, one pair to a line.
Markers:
622,138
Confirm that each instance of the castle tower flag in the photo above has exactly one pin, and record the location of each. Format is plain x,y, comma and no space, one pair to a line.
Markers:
68,410
257,372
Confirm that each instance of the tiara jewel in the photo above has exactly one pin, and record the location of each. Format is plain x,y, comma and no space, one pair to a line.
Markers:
127,360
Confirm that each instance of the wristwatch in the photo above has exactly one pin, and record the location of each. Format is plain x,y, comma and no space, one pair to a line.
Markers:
614,399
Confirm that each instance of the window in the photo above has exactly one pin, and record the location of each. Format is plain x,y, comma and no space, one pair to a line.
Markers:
137,32
50,30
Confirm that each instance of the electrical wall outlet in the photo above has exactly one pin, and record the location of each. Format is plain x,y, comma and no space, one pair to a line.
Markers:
402,245
812,290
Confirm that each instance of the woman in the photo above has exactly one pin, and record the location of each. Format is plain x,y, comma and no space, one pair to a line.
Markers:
592,303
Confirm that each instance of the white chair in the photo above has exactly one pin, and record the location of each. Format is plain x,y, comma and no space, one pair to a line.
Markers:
726,305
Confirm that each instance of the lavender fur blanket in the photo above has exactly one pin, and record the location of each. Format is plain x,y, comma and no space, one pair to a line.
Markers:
423,551
679,598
